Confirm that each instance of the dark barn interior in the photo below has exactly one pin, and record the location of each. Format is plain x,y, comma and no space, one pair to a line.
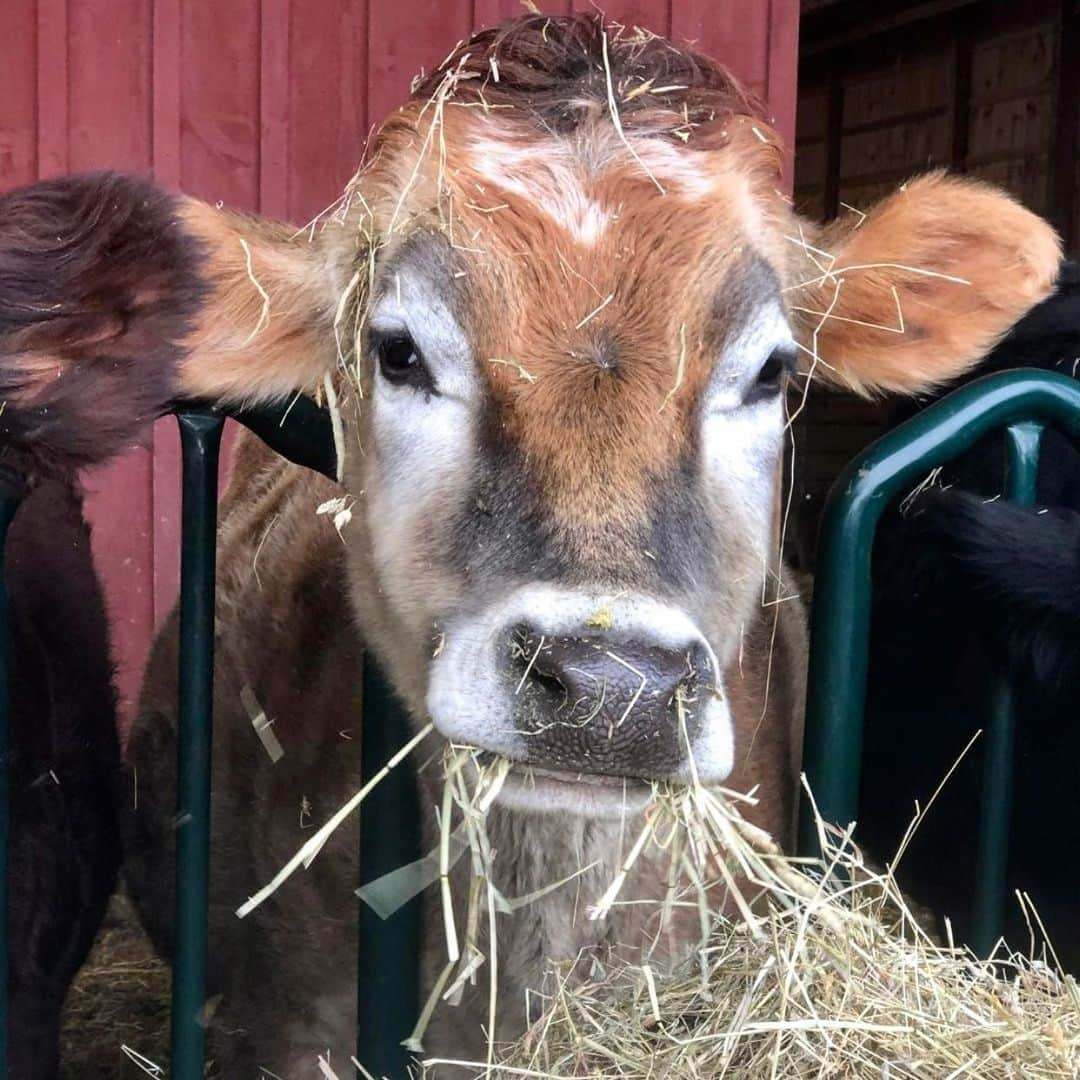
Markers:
886,90
990,90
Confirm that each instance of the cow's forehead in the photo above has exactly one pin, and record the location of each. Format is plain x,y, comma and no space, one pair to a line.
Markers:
575,237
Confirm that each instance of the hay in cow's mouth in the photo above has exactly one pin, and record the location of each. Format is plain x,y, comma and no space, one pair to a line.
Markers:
821,968
527,772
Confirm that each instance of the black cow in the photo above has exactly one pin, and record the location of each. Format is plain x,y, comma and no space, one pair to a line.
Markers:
64,852
970,591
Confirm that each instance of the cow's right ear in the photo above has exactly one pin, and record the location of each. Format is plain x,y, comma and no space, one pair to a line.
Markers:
118,300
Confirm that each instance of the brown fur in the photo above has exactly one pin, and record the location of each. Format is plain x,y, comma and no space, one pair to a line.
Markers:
606,403
598,398
283,629
97,284
64,852
291,639
246,346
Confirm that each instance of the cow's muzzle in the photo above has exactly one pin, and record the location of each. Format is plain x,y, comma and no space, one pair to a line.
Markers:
585,685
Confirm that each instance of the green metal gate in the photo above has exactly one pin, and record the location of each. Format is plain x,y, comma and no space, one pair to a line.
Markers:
1020,402
388,989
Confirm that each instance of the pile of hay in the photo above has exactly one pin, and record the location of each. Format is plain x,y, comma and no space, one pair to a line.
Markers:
831,975
825,970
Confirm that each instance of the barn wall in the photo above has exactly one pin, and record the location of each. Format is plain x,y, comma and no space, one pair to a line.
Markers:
263,105
976,87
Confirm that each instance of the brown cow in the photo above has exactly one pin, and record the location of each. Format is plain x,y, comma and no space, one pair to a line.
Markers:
569,297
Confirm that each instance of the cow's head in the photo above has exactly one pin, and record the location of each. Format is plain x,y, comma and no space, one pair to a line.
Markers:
571,298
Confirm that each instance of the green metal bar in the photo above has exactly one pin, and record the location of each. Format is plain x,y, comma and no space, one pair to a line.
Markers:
836,687
389,967
200,440
11,494
1022,442
388,985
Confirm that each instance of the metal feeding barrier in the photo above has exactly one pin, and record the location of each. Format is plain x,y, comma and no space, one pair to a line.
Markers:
1021,403
388,990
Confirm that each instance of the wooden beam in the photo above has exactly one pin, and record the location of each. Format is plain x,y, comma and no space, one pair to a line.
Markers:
1062,194
961,120
834,126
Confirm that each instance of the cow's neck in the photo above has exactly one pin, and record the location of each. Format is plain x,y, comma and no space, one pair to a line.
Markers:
535,851
530,852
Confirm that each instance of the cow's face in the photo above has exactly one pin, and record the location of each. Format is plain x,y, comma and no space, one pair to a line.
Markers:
575,423
574,350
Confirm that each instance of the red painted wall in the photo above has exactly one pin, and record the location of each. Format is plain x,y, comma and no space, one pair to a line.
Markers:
263,105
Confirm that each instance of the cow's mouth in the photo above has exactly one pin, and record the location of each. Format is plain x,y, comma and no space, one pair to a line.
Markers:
547,788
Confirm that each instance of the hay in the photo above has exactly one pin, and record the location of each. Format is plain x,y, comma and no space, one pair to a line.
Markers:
826,972
119,998
810,968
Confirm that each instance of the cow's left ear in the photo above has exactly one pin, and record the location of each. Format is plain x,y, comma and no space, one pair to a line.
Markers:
118,300
915,292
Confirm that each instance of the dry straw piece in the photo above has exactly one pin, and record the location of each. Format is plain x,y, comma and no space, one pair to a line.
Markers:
804,967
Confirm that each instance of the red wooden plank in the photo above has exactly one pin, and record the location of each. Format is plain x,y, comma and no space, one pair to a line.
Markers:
18,102
736,34
654,15
404,38
166,443
221,145
782,81
489,12
109,78
219,102
166,92
52,88
109,118
327,121
275,83
165,494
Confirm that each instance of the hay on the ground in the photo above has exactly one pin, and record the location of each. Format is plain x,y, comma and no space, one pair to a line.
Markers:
119,998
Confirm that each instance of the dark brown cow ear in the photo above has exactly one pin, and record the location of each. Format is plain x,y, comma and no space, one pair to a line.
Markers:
914,293
118,300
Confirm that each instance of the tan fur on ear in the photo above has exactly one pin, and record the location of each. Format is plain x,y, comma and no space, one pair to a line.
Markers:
266,329
916,293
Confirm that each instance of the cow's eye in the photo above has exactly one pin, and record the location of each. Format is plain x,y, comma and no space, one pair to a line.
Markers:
400,361
770,376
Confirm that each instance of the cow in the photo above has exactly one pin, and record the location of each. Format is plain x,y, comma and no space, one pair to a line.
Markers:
969,588
64,853
563,299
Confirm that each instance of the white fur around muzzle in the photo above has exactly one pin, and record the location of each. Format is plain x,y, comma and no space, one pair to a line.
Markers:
471,689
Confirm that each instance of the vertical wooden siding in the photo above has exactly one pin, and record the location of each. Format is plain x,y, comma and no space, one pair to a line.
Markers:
262,105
